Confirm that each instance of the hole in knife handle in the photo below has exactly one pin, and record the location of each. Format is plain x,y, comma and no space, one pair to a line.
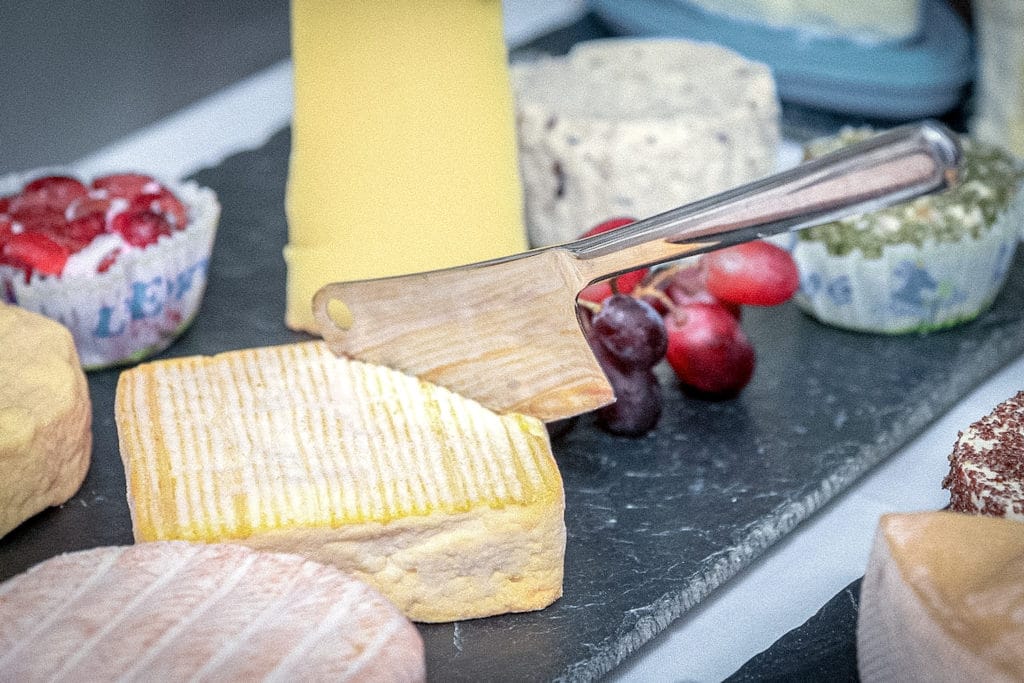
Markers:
339,314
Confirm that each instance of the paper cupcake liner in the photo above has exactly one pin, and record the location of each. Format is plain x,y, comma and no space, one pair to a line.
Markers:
138,306
909,288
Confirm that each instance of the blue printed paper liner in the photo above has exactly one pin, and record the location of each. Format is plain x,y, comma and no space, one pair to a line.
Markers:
142,303
909,288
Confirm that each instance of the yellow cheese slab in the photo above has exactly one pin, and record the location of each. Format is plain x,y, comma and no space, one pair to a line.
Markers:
403,149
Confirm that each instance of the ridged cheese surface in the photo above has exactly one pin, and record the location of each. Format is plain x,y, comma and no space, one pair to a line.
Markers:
194,612
291,436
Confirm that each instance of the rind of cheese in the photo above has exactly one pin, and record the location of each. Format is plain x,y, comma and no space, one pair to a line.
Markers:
184,611
403,150
943,600
635,127
45,416
450,510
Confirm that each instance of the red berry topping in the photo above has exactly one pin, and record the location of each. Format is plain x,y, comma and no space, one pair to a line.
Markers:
126,185
35,251
5,204
754,273
39,218
79,232
164,203
708,350
6,229
85,206
54,192
140,228
625,283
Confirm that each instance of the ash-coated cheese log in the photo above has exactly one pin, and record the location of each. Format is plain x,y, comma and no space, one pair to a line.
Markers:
634,127
177,611
45,416
447,508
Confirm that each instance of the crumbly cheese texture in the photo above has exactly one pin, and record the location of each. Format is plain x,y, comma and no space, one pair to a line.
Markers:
177,611
447,508
986,467
45,416
862,21
634,127
943,600
991,180
403,152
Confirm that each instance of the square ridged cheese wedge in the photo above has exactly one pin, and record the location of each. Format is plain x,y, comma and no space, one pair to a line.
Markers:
448,509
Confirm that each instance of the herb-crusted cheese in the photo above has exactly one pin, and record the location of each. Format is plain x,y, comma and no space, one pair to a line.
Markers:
990,181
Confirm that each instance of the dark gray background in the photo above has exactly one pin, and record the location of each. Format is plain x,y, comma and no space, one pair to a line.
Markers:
76,75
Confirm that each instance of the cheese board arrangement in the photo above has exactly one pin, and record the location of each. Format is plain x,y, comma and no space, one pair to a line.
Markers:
654,524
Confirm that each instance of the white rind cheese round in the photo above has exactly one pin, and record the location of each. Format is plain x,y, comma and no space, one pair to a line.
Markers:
449,510
45,416
175,611
943,600
634,127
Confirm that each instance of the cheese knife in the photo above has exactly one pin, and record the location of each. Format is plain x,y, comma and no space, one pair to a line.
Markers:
506,332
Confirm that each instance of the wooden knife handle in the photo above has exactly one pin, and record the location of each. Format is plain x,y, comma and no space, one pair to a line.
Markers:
888,168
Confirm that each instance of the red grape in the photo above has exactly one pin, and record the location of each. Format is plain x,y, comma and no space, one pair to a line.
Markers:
753,274
708,350
687,286
632,332
628,338
638,403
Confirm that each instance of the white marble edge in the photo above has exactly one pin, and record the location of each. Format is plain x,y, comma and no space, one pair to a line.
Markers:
779,591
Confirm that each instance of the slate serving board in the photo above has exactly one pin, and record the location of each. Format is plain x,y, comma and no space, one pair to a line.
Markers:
654,524
823,648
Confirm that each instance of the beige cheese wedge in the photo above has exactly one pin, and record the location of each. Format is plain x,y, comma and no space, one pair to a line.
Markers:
195,612
45,416
943,600
447,508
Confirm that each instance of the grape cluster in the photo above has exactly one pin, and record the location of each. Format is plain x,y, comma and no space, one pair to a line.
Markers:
688,314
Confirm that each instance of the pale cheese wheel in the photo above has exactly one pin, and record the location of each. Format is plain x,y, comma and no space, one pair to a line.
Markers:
634,127
179,611
45,416
943,600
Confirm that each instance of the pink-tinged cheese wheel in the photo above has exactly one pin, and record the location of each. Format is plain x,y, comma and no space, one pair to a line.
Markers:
182,611
942,600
